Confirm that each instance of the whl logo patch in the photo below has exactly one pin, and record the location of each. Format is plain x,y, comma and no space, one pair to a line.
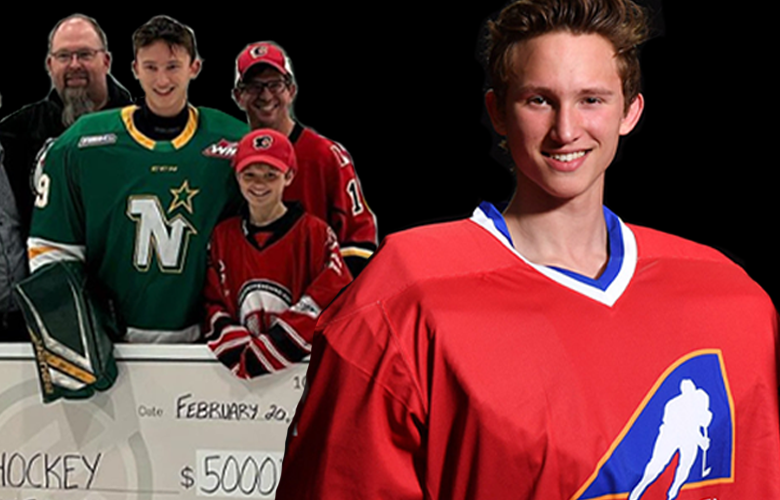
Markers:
222,149
681,437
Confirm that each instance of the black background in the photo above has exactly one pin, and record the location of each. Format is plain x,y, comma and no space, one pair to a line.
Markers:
400,86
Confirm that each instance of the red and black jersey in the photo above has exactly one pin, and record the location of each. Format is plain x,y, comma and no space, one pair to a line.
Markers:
328,187
265,289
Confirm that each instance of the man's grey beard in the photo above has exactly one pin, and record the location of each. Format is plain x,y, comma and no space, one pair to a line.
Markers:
76,102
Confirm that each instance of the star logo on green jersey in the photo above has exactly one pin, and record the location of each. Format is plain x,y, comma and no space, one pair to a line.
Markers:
182,196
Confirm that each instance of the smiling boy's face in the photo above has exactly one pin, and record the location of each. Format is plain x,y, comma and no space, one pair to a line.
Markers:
564,113
164,72
262,185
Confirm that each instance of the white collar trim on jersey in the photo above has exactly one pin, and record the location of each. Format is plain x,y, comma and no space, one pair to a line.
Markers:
608,288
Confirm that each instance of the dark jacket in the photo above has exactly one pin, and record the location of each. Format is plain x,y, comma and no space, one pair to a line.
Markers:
24,132
13,262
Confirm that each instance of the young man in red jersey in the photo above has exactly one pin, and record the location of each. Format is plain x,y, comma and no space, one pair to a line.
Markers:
326,183
272,269
549,351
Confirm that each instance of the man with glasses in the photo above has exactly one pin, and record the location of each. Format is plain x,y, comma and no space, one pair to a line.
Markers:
326,183
126,202
78,63
140,229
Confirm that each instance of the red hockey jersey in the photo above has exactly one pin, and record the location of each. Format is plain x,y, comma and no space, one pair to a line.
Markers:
466,372
266,288
328,187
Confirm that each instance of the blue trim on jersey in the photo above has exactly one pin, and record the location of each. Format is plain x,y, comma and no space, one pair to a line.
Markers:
614,237
615,261
498,220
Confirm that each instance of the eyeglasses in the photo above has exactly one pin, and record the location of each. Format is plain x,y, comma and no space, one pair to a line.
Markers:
273,86
82,55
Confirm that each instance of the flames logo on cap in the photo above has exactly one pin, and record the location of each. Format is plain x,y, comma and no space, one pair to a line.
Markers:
258,51
263,142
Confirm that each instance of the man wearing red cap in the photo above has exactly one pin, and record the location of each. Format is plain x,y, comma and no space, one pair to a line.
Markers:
326,183
272,269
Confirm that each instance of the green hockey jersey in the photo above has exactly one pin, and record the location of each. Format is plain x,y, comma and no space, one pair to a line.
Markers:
138,212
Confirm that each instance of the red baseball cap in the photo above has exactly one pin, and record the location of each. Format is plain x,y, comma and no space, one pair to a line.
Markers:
267,146
262,53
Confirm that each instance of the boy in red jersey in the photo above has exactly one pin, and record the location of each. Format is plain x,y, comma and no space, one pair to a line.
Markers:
272,269
550,351
327,184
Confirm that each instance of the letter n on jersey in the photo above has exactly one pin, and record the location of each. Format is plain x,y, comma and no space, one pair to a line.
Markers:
156,234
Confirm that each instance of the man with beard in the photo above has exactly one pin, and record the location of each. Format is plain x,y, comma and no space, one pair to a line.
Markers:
128,242
78,64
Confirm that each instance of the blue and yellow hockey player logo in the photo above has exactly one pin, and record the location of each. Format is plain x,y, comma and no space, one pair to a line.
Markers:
688,415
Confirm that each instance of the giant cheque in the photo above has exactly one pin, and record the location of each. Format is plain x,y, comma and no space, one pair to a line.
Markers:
175,425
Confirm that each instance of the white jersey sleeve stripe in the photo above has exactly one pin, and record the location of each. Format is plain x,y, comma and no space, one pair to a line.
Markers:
292,333
42,252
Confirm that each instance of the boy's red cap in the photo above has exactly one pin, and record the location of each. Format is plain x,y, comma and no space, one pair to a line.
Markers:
268,146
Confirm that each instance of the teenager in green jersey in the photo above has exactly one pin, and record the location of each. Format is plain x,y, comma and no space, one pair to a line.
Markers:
130,196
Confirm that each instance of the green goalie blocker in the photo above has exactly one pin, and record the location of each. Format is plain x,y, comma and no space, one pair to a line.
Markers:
71,334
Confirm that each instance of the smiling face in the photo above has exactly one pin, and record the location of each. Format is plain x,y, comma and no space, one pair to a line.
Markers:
266,108
564,114
78,60
262,186
164,73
